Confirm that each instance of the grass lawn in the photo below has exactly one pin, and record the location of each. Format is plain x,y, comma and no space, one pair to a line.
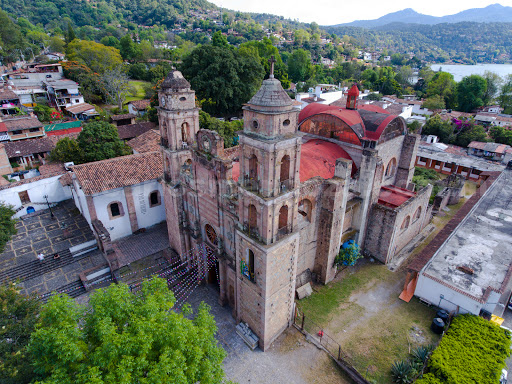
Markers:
139,87
362,312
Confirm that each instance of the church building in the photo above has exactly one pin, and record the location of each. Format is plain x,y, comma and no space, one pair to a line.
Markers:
281,203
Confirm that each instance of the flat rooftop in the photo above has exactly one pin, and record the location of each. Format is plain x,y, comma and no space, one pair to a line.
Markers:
481,242
459,159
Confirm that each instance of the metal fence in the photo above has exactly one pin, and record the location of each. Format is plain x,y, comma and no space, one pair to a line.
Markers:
331,346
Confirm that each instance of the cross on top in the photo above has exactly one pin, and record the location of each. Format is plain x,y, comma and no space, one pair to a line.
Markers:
272,60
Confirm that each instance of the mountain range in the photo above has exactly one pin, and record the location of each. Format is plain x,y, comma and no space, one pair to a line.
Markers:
490,14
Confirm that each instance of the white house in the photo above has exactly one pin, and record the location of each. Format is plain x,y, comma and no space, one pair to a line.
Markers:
36,193
469,271
64,93
123,193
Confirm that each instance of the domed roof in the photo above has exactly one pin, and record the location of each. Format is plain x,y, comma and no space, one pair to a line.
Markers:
271,94
175,81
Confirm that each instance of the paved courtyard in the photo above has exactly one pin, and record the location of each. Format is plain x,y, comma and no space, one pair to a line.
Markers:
40,233
290,360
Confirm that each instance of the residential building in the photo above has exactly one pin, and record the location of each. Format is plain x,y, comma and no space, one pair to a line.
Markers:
9,102
125,119
63,93
82,111
129,131
23,127
138,107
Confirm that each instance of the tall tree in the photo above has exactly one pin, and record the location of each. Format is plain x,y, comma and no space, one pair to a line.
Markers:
70,36
444,85
11,39
18,316
99,140
124,338
494,82
66,150
299,65
96,56
471,92
224,77
505,97
116,84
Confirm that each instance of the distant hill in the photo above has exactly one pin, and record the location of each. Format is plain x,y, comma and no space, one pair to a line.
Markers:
490,14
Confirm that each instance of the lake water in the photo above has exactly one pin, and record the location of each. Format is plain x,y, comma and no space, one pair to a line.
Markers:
460,70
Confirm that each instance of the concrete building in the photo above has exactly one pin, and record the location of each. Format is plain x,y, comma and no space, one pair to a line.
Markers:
63,93
450,159
468,265
282,202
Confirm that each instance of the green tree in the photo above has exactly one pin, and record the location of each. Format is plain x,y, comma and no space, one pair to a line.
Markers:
95,56
110,41
7,225
56,44
11,39
494,82
222,75
123,338
18,316
70,36
219,40
434,102
299,65
99,140
66,150
116,84
501,135
471,92
477,133
505,97
128,48
442,84
436,126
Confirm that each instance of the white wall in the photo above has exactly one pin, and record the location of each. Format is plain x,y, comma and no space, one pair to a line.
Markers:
431,291
119,226
146,215
50,186
81,202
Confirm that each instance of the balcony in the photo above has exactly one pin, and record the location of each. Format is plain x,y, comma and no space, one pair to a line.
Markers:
285,186
282,232
252,185
252,232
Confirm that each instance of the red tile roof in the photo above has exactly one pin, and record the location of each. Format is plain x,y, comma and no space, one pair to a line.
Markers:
318,158
123,117
130,131
28,147
24,122
140,104
147,142
392,196
119,172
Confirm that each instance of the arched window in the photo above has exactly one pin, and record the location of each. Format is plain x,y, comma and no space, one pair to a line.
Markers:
115,210
283,217
211,235
253,218
285,168
154,199
184,132
417,214
305,208
405,223
164,130
253,168
391,168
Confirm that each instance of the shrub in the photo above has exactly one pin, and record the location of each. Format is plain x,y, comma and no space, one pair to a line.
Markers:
401,371
472,351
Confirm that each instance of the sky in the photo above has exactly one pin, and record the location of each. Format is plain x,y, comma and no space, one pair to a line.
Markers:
330,12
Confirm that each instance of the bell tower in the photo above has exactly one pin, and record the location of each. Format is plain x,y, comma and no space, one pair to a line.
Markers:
267,237
178,119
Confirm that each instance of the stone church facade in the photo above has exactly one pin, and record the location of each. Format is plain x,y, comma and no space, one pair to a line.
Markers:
298,185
